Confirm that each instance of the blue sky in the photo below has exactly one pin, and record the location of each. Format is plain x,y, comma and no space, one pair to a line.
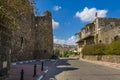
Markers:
69,16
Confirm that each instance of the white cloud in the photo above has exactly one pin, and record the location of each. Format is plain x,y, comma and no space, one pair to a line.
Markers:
55,24
89,14
69,41
59,41
56,8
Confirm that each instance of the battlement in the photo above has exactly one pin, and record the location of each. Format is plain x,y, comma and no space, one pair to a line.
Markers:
46,13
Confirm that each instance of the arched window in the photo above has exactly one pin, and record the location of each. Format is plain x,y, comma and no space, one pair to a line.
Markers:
100,41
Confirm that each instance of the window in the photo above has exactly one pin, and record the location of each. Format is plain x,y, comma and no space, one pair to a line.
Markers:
100,41
0,39
21,41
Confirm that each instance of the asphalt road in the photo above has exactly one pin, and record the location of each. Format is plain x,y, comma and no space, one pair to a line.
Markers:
73,69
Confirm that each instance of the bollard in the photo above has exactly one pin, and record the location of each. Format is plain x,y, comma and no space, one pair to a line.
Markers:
22,75
34,70
42,66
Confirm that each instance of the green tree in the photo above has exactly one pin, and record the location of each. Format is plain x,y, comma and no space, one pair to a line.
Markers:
113,48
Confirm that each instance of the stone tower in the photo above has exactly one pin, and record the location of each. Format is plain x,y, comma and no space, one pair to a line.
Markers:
43,36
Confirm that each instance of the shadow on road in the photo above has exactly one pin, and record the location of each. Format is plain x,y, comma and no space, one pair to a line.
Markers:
60,66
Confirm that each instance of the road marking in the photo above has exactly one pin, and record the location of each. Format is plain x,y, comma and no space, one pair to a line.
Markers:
52,78
47,67
31,61
40,77
46,71
42,60
64,66
13,63
26,61
52,60
21,62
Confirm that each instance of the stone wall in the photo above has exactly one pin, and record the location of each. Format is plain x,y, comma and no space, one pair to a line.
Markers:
108,34
5,44
107,58
109,28
33,41
23,38
33,36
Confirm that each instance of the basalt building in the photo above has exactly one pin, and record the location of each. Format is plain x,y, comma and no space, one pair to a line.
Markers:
23,36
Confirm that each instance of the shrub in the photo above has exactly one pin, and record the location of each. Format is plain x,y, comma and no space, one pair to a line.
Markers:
94,49
66,54
102,49
57,53
69,53
113,48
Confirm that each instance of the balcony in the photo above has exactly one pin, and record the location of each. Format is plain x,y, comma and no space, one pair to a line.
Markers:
86,35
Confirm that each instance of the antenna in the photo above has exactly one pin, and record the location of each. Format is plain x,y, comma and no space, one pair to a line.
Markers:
96,14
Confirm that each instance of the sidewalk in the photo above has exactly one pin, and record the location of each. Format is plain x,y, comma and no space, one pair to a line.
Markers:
15,71
108,64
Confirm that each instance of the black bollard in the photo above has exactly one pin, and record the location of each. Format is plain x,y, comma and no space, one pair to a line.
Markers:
42,66
22,75
34,70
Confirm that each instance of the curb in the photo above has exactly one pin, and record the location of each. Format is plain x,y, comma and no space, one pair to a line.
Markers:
30,61
27,61
107,64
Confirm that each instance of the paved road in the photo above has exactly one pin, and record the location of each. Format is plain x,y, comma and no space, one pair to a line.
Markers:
73,69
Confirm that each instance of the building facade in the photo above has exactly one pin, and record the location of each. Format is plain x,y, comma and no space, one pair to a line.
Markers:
43,46
101,30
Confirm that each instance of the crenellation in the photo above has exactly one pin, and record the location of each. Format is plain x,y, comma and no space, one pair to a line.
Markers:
47,13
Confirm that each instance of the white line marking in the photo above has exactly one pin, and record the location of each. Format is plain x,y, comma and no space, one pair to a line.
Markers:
46,71
40,77
13,63
52,60
26,61
52,78
63,66
21,62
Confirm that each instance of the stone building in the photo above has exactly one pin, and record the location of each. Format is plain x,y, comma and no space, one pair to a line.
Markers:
33,41
101,30
43,36
26,37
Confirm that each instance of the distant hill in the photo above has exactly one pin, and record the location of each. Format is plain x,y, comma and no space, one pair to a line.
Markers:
64,48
